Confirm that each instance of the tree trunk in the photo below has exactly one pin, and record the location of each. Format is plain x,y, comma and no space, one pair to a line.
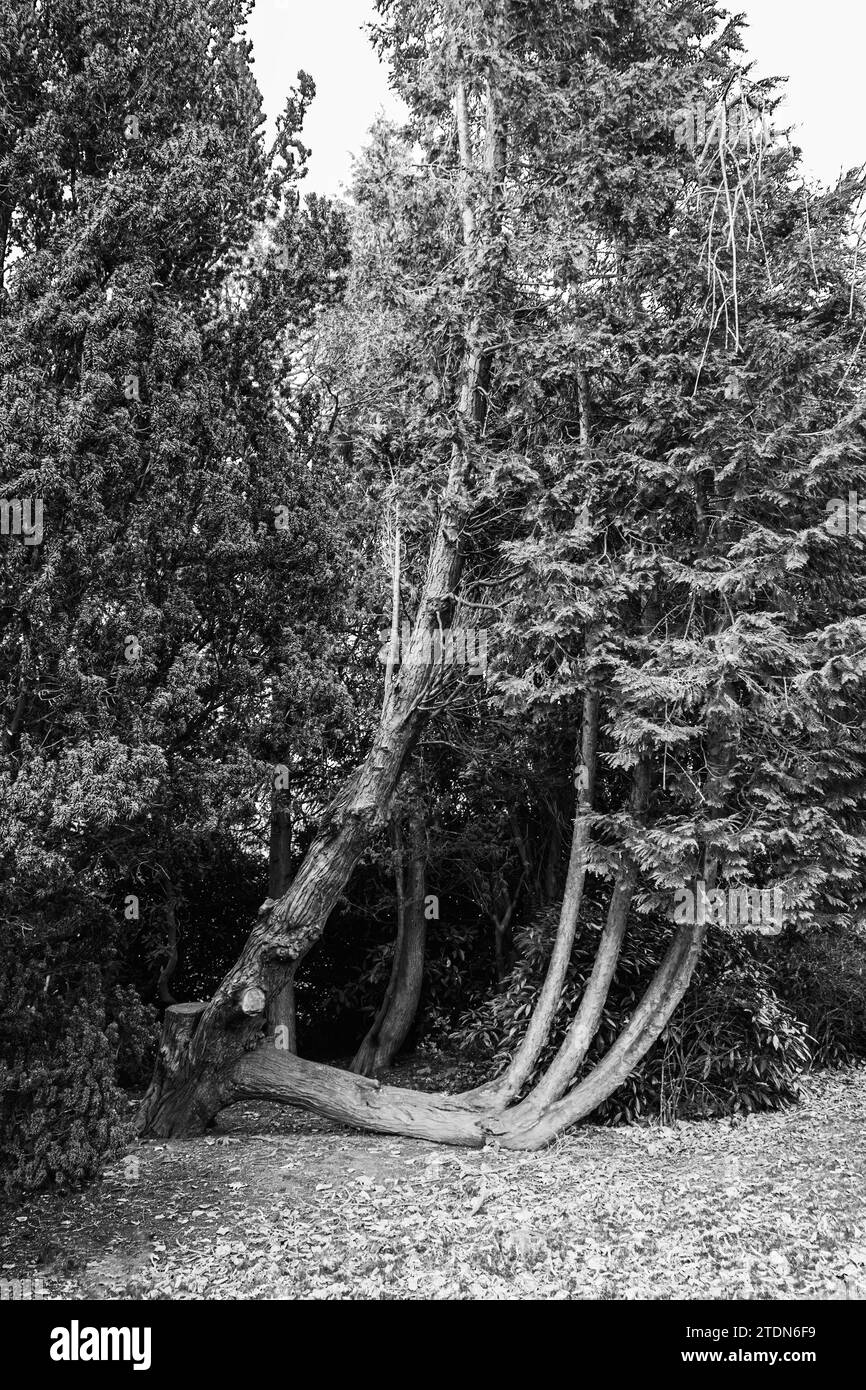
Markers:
282,1014
584,1025
397,1012
181,1096
267,1074
522,1065
502,931
552,859
532,1125
354,1100
282,1017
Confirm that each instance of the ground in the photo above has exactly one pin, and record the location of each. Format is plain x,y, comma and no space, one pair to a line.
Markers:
277,1204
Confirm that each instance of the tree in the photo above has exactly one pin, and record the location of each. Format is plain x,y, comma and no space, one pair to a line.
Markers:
144,347
644,329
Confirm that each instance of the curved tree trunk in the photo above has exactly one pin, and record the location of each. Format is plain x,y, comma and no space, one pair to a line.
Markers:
355,1100
522,1065
184,1097
531,1125
584,1025
395,1017
269,1075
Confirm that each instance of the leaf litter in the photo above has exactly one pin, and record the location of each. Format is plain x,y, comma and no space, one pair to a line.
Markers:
276,1204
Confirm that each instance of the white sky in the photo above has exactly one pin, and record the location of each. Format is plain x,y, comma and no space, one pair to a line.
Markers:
817,44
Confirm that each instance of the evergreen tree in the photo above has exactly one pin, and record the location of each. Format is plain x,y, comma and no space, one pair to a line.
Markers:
184,575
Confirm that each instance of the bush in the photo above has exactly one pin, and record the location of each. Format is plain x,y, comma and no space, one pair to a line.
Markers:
821,975
70,1035
137,1026
61,1110
733,1045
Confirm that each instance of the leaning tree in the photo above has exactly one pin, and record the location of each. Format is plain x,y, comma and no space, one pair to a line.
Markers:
643,334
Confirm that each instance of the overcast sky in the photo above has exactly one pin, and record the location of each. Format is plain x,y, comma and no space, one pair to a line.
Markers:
817,44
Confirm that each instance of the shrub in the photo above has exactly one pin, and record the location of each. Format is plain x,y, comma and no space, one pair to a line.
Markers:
821,974
61,1111
137,1026
733,1044
69,1036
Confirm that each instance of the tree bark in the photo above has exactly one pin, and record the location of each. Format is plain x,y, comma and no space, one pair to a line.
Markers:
552,859
397,1011
354,1100
522,1065
270,1074
584,1025
532,1126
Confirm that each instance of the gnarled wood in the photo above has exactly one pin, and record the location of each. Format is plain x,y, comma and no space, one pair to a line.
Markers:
355,1100
249,1000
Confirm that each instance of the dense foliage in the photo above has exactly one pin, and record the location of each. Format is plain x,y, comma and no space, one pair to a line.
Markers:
149,679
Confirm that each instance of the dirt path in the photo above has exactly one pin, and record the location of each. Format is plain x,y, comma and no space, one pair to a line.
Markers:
275,1204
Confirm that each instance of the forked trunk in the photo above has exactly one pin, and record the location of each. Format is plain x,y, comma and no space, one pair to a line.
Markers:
267,1074
533,1124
